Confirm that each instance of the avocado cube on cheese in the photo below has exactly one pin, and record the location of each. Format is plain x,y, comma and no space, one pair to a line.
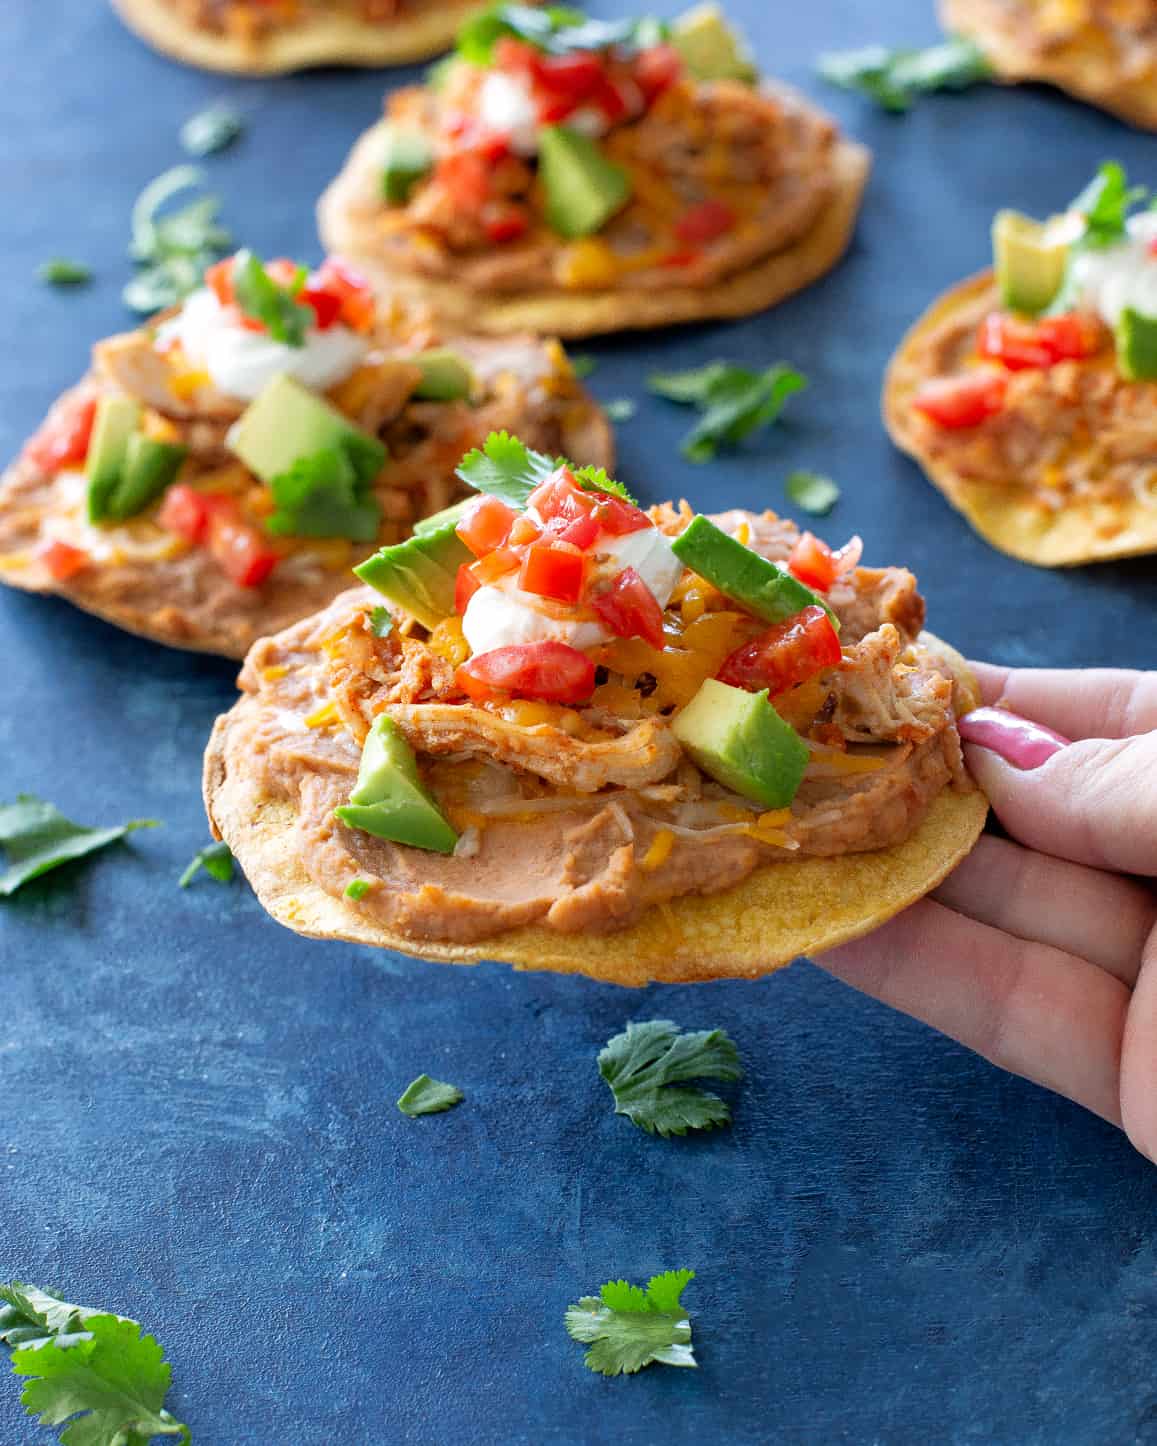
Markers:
419,575
583,188
407,156
739,739
389,800
1137,346
1030,259
117,418
288,422
710,48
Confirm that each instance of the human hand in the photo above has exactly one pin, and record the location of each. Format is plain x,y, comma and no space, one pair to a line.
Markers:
1041,954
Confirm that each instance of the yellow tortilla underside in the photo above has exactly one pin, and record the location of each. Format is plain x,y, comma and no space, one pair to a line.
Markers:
1087,68
591,313
332,40
1008,516
780,912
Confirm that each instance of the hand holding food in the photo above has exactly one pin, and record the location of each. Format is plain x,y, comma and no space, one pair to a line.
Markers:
1041,952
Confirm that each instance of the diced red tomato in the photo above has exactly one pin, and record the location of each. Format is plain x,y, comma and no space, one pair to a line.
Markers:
61,560
486,524
560,496
551,672
617,517
496,564
327,307
617,100
705,222
514,55
554,572
466,177
63,442
524,530
242,552
1071,336
787,654
583,532
504,221
630,609
568,77
674,260
1012,342
466,584
219,280
337,278
963,401
185,512
813,562
656,69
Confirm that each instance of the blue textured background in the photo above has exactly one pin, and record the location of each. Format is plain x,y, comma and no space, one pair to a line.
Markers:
894,1243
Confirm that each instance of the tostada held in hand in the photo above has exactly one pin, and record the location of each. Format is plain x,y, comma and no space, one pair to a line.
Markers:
579,176
557,730
219,470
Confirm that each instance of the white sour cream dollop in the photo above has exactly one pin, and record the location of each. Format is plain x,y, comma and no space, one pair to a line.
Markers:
506,104
502,615
1123,275
240,362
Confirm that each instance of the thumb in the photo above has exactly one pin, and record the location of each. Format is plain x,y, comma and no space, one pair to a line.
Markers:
1094,802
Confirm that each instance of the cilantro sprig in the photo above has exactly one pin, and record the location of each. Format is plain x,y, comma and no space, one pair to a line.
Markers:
628,1328
1104,205
555,29
734,401
275,306
92,1372
508,469
647,1069
60,271
216,859
173,249
426,1096
329,494
36,837
211,130
812,492
894,79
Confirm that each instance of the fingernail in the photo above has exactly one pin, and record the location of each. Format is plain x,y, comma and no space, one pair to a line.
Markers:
1018,740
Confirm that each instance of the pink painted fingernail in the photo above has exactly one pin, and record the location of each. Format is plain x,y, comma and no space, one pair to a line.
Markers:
1018,740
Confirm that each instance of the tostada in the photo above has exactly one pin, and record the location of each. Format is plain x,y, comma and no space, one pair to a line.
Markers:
559,731
1029,393
219,470
1103,51
578,176
264,37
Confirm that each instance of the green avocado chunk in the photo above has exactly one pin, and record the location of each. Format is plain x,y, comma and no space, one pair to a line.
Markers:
1137,346
742,575
407,156
583,189
149,467
446,376
117,418
288,422
739,739
710,48
389,800
1030,258
419,575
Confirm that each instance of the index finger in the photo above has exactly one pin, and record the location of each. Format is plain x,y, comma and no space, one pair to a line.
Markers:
1078,702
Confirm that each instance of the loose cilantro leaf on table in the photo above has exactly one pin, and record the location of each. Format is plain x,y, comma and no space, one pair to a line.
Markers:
895,78
174,249
628,1328
734,401
426,1096
621,409
506,468
217,861
583,365
90,1369
812,493
62,272
211,130
37,837
642,1066
276,307
327,494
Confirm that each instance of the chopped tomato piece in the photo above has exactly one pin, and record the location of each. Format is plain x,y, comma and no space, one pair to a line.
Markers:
512,54
63,441
62,561
486,524
1014,343
656,69
813,562
185,511
618,517
1071,336
339,279
466,584
525,530
963,401
582,533
554,572
327,308
560,496
219,280
568,77
615,100
241,551
630,609
677,259
787,654
496,564
552,672
705,222
504,221
466,177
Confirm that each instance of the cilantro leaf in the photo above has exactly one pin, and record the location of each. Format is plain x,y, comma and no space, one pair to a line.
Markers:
506,468
734,401
426,1096
211,130
595,479
556,30
381,623
621,409
31,1316
37,837
62,272
217,861
173,250
895,78
1105,204
641,1065
328,495
583,365
812,492
276,307
628,1328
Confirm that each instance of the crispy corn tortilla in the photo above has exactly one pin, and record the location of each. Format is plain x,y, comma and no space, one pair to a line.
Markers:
173,601
775,915
332,40
1008,516
590,313
1087,71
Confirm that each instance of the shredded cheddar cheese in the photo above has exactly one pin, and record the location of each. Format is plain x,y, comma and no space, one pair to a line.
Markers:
274,673
324,717
658,852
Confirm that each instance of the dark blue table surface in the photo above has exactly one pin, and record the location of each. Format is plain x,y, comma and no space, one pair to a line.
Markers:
894,1243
